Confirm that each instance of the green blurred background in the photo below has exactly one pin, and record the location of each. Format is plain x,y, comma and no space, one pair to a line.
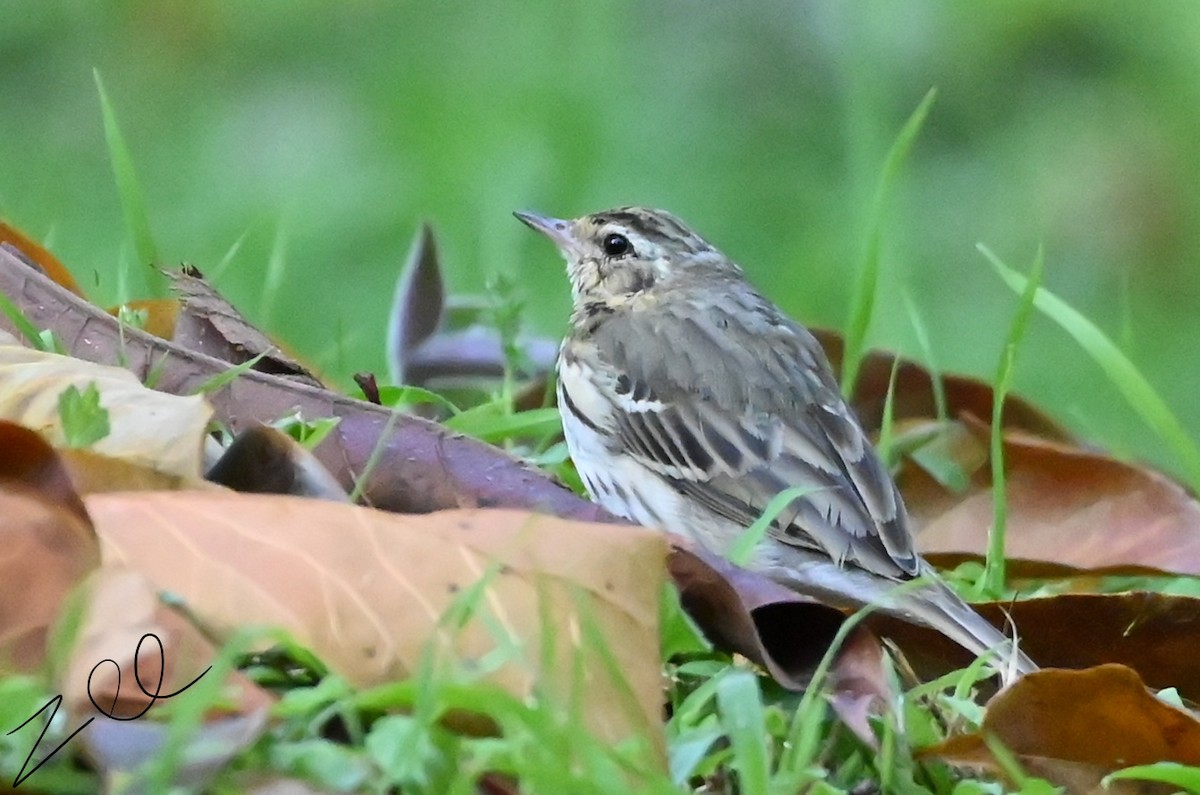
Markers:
324,132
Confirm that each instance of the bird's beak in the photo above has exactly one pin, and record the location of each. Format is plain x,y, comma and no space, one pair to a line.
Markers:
558,230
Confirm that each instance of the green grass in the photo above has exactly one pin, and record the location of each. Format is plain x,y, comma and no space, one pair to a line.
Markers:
133,200
863,302
730,727
1142,397
926,347
994,573
32,334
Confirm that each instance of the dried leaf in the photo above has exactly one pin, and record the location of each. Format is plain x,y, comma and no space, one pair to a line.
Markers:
914,396
366,590
93,473
264,460
149,428
421,465
747,613
161,314
859,685
32,466
46,545
40,256
211,325
1102,717
1158,635
130,645
786,633
1066,505
417,306
474,352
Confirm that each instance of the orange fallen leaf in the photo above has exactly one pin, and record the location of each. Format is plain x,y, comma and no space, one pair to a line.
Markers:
367,590
40,255
1158,635
161,315
1102,717
1066,505
129,645
914,397
151,428
46,544
785,632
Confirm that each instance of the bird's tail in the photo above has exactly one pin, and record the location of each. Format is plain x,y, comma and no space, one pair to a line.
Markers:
928,601
939,607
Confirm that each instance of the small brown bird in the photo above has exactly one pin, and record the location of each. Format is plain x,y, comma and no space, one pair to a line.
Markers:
689,401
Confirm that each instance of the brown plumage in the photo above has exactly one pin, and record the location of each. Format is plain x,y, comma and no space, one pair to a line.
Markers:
690,401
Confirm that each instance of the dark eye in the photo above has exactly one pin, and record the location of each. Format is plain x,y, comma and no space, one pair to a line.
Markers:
615,245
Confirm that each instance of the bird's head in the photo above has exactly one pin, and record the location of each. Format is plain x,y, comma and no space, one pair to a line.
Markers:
617,254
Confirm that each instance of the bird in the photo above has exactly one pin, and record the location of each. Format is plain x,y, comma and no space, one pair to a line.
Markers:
689,401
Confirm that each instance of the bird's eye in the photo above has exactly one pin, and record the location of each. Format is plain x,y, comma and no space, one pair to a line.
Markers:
615,245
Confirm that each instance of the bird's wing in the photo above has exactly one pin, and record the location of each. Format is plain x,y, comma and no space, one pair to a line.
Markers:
686,405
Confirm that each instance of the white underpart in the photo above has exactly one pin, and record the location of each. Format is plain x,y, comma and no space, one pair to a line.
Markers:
617,482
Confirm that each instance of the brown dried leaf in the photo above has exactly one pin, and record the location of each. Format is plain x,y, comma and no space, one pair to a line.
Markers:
161,315
859,685
93,473
417,305
366,589
476,352
130,645
1066,506
39,255
150,428
265,460
211,325
1156,634
1102,717
46,545
747,613
421,466
914,395
31,465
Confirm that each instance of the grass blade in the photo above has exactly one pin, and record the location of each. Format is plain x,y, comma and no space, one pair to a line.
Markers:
214,274
935,374
1182,776
887,426
491,423
21,323
863,303
1123,374
743,547
225,377
743,716
994,573
133,200
276,265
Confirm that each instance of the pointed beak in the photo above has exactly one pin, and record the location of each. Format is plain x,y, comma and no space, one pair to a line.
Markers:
558,230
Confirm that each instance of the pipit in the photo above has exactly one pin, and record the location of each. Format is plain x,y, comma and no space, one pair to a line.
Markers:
689,401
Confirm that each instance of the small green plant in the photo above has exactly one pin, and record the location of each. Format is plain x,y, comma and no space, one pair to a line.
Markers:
309,433
84,420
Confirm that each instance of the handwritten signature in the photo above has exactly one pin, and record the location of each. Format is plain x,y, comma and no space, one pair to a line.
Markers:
54,703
